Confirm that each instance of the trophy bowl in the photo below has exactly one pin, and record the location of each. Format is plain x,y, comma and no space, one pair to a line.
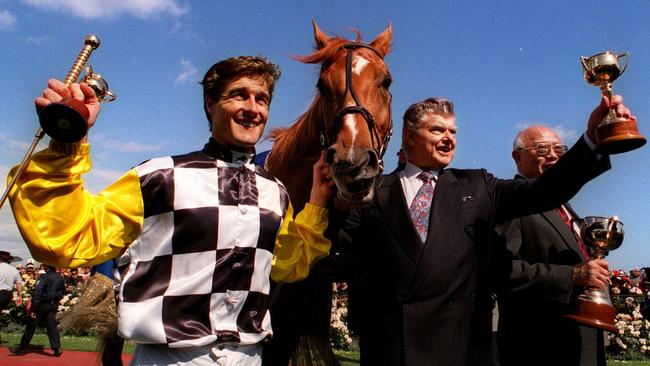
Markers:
593,306
614,134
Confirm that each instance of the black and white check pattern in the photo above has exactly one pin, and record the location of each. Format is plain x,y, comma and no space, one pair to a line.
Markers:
199,271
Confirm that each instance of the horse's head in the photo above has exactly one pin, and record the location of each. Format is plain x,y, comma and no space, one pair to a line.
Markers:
355,109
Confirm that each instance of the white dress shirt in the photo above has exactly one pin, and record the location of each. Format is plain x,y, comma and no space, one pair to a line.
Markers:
408,177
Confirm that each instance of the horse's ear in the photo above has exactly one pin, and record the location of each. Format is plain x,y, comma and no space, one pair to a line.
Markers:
383,41
320,37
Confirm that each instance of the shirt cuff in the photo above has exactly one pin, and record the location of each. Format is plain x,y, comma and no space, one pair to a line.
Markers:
76,148
314,217
591,144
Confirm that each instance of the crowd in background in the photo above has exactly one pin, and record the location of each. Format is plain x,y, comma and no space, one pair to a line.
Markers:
74,278
636,281
629,290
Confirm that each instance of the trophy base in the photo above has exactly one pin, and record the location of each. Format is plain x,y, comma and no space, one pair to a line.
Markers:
595,310
618,137
65,121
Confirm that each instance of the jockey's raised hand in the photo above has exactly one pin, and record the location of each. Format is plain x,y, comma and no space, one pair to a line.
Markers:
56,91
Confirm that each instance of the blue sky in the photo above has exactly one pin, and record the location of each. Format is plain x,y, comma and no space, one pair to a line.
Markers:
505,64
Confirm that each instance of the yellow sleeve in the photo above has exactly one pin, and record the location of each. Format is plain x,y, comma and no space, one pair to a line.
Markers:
64,225
300,243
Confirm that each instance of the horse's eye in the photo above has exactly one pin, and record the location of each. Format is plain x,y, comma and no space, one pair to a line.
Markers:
387,81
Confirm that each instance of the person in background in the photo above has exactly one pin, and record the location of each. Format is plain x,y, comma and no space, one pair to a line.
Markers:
550,265
42,311
9,279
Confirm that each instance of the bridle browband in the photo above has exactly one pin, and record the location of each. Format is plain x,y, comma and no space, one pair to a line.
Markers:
358,108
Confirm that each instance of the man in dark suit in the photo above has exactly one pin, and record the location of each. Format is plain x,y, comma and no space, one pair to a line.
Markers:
550,264
422,288
45,303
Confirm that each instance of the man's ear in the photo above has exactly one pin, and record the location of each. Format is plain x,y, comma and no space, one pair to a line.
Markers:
209,104
407,137
516,156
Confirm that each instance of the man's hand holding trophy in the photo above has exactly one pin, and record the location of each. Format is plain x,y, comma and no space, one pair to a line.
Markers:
67,120
594,306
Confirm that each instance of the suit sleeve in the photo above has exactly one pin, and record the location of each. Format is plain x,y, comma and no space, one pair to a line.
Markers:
300,243
557,185
62,223
551,282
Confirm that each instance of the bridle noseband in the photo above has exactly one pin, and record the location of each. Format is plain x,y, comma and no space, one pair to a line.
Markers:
358,108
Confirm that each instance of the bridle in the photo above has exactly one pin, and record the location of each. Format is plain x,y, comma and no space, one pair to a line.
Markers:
378,146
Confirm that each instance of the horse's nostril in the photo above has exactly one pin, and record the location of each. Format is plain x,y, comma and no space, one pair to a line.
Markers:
329,158
373,159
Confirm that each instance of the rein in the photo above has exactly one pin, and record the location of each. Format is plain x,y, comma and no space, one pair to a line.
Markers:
358,108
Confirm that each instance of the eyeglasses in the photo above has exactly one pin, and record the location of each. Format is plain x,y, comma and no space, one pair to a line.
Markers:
545,149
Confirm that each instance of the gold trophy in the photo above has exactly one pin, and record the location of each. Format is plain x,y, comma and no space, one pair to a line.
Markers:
614,134
594,306
65,121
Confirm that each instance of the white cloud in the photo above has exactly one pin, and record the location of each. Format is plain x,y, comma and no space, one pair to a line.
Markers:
566,135
7,20
4,171
94,9
13,148
124,146
39,40
188,73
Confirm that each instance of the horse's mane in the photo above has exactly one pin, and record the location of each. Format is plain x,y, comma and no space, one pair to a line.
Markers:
327,51
292,142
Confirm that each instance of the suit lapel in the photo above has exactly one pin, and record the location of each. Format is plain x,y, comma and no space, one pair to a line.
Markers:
446,202
392,203
574,215
444,211
565,232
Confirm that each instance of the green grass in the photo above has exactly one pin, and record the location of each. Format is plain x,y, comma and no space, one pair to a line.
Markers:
347,358
74,343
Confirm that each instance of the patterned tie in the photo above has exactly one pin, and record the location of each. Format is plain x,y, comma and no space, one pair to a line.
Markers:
421,205
565,216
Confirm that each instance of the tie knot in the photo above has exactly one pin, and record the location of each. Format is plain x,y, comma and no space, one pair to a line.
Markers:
426,176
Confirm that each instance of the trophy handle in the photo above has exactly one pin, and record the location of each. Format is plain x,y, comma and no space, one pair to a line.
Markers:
610,226
625,55
109,96
583,61
576,221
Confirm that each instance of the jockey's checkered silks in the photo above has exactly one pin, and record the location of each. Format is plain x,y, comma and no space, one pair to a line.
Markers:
199,270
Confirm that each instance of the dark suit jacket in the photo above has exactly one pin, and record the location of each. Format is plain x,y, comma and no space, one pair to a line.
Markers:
532,330
429,303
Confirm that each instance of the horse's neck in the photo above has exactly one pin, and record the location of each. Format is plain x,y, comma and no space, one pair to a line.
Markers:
296,150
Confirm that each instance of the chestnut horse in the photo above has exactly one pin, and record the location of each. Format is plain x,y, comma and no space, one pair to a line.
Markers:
350,118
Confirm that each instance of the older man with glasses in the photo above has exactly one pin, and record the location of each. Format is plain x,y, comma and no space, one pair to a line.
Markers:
549,264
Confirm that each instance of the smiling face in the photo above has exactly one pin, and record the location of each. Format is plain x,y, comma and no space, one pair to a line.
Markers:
239,115
433,143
